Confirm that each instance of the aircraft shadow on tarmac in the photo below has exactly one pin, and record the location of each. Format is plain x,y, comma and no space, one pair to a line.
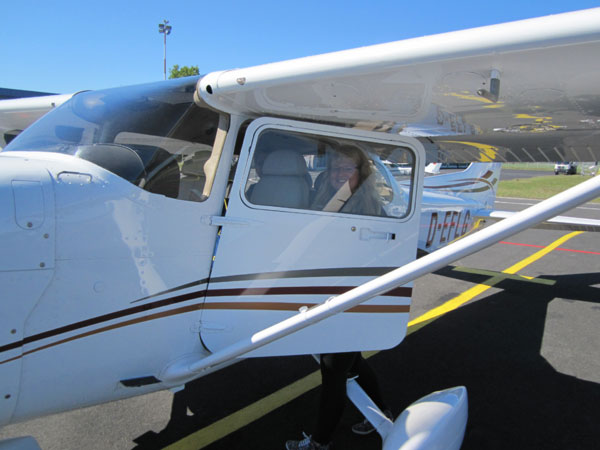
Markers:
517,400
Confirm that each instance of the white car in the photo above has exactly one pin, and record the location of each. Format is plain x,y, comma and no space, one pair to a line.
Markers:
566,167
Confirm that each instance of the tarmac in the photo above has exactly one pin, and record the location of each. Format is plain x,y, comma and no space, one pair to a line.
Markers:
520,331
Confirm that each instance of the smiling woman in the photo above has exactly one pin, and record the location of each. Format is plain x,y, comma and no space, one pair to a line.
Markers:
349,186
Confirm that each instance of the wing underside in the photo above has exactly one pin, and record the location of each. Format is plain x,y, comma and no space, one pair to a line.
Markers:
518,92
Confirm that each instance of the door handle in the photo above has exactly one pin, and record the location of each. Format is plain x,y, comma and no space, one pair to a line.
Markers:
366,234
219,221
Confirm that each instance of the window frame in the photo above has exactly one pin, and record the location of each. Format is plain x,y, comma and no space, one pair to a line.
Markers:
351,136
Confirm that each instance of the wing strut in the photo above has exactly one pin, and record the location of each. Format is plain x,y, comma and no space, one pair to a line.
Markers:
183,370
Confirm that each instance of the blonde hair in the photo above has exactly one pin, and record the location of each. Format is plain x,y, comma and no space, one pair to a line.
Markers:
360,159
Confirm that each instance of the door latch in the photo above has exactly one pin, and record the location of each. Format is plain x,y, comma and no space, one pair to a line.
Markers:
366,234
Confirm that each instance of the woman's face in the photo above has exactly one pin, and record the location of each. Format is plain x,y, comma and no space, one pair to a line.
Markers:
343,169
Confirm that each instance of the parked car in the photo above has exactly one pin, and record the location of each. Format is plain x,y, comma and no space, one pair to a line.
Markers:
454,166
566,167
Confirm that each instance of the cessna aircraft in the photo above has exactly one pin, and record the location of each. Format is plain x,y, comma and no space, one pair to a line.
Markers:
169,229
18,114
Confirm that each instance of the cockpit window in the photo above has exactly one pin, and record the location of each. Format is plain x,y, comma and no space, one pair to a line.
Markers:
330,174
153,135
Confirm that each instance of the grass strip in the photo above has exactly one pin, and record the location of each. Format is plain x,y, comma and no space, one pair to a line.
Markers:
539,187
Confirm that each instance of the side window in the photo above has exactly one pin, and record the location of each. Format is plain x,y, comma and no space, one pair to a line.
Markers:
176,165
330,174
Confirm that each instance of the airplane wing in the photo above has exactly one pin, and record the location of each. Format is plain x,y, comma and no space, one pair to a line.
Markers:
18,114
521,91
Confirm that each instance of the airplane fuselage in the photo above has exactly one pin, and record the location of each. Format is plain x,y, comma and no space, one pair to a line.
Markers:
119,258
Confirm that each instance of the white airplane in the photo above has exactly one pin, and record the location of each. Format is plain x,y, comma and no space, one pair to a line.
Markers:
156,233
18,114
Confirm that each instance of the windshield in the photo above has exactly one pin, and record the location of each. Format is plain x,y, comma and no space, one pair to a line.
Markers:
152,135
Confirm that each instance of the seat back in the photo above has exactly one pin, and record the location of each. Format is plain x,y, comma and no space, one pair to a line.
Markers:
193,177
283,181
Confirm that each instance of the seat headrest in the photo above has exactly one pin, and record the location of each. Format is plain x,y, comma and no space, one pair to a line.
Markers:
194,165
284,163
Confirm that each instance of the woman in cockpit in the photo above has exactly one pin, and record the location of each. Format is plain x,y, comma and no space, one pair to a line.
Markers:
348,185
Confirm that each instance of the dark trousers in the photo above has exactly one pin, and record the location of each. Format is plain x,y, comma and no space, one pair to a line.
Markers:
336,368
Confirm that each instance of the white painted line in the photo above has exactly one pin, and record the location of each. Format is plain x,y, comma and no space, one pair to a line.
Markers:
516,203
524,201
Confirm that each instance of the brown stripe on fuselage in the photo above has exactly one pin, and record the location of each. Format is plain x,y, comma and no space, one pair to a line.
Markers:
251,306
281,306
103,318
159,315
234,292
467,182
297,273
298,290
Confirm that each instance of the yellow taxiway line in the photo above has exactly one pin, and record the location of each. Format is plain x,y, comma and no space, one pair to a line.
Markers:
221,428
480,288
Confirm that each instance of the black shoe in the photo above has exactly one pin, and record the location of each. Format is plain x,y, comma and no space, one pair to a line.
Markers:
365,426
306,444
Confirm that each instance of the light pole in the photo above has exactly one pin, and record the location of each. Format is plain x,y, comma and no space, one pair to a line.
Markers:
165,29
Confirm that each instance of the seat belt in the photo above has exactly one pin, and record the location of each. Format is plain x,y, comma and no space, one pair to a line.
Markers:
339,199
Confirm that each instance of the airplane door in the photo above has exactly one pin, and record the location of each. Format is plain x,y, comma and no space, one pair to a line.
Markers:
314,211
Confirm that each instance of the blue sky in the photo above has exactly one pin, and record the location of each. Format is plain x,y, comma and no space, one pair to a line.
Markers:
64,46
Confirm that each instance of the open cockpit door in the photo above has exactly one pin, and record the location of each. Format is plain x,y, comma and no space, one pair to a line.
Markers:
314,211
